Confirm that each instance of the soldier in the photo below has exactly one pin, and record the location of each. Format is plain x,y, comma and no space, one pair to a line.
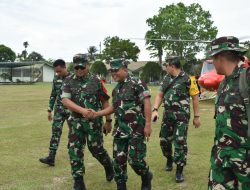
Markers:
230,155
60,112
83,91
132,108
175,91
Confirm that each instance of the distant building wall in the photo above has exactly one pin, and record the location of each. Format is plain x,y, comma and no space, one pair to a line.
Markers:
48,73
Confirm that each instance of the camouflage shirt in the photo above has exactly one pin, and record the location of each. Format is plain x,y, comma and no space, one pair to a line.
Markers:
55,96
177,98
128,102
87,91
230,113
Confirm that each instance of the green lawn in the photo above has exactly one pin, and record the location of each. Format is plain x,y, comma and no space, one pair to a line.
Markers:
25,134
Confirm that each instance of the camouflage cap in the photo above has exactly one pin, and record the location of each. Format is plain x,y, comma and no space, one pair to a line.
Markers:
226,43
118,63
80,59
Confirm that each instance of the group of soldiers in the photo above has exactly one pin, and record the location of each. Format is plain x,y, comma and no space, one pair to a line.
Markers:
81,99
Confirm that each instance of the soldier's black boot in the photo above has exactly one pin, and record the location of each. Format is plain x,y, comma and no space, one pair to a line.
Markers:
179,174
146,181
121,186
169,164
79,184
50,160
109,171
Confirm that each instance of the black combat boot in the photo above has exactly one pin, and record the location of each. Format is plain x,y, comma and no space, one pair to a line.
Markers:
79,184
50,160
121,186
109,171
169,164
179,175
146,181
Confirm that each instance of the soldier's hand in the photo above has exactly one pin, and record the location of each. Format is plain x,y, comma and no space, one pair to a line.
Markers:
147,131
50,117
87,113
196,122
154,116
107,127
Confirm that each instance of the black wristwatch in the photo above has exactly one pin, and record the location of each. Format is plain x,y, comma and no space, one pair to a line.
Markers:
109,120
154,109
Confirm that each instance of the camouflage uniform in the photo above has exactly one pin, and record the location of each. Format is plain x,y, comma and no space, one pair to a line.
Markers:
86,92
129,141
176,117
230,155
60,112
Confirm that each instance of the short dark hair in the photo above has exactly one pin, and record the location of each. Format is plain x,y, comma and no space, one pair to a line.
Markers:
59,62
176,62
231,56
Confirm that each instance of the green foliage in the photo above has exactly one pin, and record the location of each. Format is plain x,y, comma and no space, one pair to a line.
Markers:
177,21
6,54
151,72
99,68
5,76
71,67
118,48
34,56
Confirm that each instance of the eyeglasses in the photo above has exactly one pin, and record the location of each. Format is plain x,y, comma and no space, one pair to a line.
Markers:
113,70
79,67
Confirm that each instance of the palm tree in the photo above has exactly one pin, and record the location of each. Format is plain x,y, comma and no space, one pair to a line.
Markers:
24,52
25,44
92,51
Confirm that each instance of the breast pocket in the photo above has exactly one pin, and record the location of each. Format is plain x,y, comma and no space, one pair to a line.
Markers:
234,103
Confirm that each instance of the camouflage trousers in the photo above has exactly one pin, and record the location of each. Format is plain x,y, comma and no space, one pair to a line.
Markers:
57,125
174,130
230,168
132,150
80,133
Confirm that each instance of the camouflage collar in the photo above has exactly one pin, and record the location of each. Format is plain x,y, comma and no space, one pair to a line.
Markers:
83,77
236,71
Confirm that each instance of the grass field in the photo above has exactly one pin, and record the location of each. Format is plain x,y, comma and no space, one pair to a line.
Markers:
25,134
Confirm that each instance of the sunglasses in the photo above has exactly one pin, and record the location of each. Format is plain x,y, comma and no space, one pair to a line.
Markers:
114,70
79,67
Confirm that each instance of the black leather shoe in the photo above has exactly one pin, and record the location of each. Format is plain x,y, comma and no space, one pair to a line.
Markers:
169,164
121,186
146,181
179,178
79,184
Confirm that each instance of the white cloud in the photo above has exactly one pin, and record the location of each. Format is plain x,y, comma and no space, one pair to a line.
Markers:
59,29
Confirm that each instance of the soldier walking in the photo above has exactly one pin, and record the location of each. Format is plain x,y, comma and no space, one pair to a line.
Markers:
230,155
175,91
83,91
132,108
60,112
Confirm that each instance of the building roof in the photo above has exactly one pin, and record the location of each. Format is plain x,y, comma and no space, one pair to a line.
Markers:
18,64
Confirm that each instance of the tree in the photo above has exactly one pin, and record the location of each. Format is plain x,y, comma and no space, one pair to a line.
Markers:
24,52
6,54
34,56
118,48
99,68
92,52
151,72
5,76
175,22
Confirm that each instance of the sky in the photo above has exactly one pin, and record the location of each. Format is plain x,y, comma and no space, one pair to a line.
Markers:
63,28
